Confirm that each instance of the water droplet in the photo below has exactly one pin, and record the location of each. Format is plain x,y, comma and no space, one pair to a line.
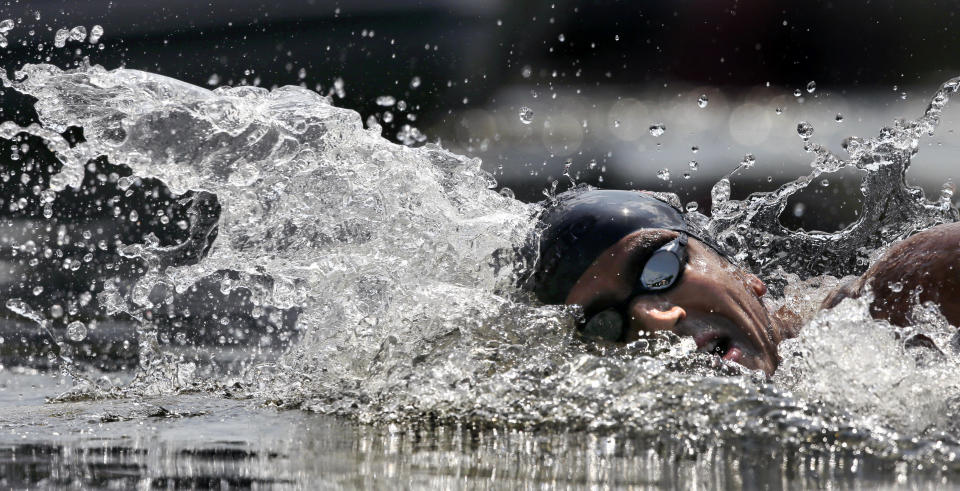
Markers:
720,193
694,165
561,38
811,86
702,101
56,311
616,123
778,110
694,149
825,182
657,129
805,130
686,175
616,37
797,93
903,95
663,174
134,216
798,209
839,118
213,80
78,34
96,32
387,117
386,100
526,71
76,331
692,206
748,161
526,115
415,82
60,38
895,286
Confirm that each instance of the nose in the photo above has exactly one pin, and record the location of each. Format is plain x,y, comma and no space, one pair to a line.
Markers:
652,316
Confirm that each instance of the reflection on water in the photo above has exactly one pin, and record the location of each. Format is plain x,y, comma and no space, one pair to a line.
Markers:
205,440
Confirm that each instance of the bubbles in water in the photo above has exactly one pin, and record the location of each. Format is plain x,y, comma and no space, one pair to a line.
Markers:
748,161
797,93
693,164
825,183
839,118
895,286
561,38
657,129
692,206
3,41
387,117
694,149
96,32
77,331
6,26
526,115
805,130
778,110
386,100
214,80
526,71
811,86
702,101
415,82
60,38
663,174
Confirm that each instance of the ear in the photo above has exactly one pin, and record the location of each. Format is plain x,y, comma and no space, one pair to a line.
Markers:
756,284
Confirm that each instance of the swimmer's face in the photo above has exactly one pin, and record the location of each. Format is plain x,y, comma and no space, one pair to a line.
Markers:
714,302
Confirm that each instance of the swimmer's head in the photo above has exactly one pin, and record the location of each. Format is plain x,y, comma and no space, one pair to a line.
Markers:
581,223
637,264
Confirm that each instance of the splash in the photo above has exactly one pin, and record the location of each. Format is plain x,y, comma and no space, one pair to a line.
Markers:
891,209
398,262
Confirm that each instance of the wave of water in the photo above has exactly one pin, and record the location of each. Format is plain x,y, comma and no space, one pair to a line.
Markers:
399,263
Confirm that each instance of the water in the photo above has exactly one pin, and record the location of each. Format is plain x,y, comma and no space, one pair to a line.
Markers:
323,279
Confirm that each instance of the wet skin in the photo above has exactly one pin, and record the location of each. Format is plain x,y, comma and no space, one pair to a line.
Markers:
924,267
714,302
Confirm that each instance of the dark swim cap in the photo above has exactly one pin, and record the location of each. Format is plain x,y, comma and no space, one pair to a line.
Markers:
583,222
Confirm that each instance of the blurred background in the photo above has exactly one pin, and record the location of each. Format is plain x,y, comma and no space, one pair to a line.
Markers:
665,96
594,75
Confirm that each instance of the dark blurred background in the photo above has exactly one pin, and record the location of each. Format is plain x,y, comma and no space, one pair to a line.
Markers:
596,75
531,88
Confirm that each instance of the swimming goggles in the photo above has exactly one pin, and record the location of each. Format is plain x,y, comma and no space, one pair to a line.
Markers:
661,272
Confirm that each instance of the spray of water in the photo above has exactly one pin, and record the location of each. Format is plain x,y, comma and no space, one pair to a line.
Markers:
398,262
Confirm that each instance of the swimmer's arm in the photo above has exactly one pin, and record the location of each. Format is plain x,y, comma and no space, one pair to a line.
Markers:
924,267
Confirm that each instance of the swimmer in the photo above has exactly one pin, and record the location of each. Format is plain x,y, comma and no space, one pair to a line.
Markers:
637,265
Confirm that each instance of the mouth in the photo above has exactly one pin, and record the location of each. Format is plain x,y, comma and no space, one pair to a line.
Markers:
721,345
